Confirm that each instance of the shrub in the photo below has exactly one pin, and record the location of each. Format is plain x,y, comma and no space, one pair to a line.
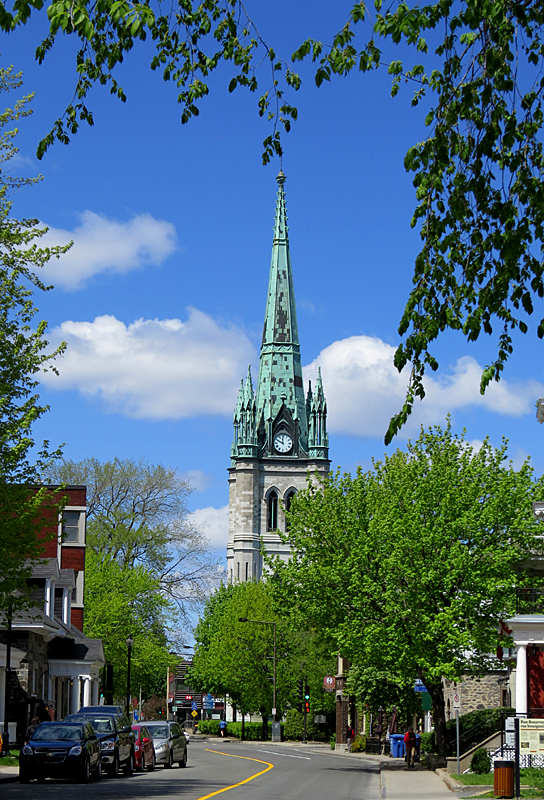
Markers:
294,726
209,726
481,763
358,745
427,742
333,741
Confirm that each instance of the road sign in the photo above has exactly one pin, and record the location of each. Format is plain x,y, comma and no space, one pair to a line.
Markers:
456,702
320,719
194,713
329,683
207,701
194,705
418,686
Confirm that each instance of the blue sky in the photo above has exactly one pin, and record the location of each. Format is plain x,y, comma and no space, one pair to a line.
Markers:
162,298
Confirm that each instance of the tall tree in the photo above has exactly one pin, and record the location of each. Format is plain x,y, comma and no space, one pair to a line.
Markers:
122,601
409,567
25,509
236,658
137,514
477,175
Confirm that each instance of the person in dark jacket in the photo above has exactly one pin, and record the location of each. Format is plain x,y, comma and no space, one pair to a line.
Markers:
34,722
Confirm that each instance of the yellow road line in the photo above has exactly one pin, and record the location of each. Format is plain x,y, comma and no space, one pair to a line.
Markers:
234,785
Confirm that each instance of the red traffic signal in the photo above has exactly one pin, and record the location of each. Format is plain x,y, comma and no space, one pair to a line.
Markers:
307,707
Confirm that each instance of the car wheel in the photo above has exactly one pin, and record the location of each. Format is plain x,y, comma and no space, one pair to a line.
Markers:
40,778
128,769
24,776
114,770
142,763
170,763
183,762
98,771
86,772
151,766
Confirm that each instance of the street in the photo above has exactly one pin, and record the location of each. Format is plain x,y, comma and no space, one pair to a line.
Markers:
292,773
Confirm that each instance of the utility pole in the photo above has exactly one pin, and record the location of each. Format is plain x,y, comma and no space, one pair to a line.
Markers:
168,691
5,735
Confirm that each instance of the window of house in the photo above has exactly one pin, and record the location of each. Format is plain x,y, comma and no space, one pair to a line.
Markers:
238,569
247,570
272,522
70,527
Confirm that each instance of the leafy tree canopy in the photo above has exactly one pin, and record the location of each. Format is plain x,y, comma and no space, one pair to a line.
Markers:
137,514
477,174
24,508
236,658
122,601
410,567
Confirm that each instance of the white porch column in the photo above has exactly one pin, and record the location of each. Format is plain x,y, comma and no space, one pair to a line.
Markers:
521,680
48,602
86,691
66,605
94,692
75,695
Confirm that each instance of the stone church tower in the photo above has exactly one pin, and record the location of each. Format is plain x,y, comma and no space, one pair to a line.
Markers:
279,436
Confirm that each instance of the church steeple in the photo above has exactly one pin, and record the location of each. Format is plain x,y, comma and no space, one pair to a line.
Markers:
279,404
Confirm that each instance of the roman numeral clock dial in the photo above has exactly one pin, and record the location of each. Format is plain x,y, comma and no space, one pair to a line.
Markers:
283,443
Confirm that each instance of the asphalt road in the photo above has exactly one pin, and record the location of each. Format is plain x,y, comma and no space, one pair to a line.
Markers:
214,766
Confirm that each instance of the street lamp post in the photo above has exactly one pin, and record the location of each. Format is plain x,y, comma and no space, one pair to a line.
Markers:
130,644
275,737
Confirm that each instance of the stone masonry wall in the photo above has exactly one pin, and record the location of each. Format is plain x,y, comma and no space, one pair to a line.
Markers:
476,693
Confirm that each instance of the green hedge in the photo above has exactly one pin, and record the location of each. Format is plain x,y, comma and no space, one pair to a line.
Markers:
253,731
294,726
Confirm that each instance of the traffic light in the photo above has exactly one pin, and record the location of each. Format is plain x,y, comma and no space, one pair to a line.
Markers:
307,707
300,687
306,692
161,712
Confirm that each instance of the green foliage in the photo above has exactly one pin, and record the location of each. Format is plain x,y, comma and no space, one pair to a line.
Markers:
253,731
137,514
427,743
480,762
369,556
27,517
209,726
477,725
122,601
535,778
236,658
477,175
358,745
294,725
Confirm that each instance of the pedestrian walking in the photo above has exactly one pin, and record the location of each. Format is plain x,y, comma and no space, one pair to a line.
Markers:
410,742
350,736
222,728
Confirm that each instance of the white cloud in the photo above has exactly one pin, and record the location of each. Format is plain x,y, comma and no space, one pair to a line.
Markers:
198,479
215,524
154,369
107,245
364,389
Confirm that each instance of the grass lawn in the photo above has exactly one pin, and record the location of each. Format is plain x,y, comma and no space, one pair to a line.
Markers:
10,761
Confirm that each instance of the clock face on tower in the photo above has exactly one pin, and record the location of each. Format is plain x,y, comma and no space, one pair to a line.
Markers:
283,442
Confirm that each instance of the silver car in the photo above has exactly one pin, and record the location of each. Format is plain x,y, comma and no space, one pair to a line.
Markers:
169,743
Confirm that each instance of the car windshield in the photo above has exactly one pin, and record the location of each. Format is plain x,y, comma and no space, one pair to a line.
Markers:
101,724
159,731
58,733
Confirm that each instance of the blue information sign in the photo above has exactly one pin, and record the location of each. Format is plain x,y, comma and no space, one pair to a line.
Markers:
194,706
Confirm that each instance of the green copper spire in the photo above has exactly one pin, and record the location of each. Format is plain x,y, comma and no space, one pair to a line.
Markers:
278,407
280,371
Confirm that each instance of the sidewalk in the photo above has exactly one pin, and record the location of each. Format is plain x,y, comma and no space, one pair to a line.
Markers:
402,783
9,774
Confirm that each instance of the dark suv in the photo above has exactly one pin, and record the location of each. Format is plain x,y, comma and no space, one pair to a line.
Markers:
116,737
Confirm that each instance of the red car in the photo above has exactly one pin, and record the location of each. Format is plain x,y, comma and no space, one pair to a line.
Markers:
144,751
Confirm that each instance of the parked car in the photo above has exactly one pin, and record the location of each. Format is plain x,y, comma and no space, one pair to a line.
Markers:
115,709
116,736
144,750
169,742
61,750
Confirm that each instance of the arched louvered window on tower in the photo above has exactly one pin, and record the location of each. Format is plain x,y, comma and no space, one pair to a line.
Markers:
272,521
288,498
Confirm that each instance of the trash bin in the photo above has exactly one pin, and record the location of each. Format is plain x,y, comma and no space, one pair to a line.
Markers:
396,741
503,779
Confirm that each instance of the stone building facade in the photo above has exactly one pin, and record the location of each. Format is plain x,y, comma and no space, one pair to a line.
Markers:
489,691
280,436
